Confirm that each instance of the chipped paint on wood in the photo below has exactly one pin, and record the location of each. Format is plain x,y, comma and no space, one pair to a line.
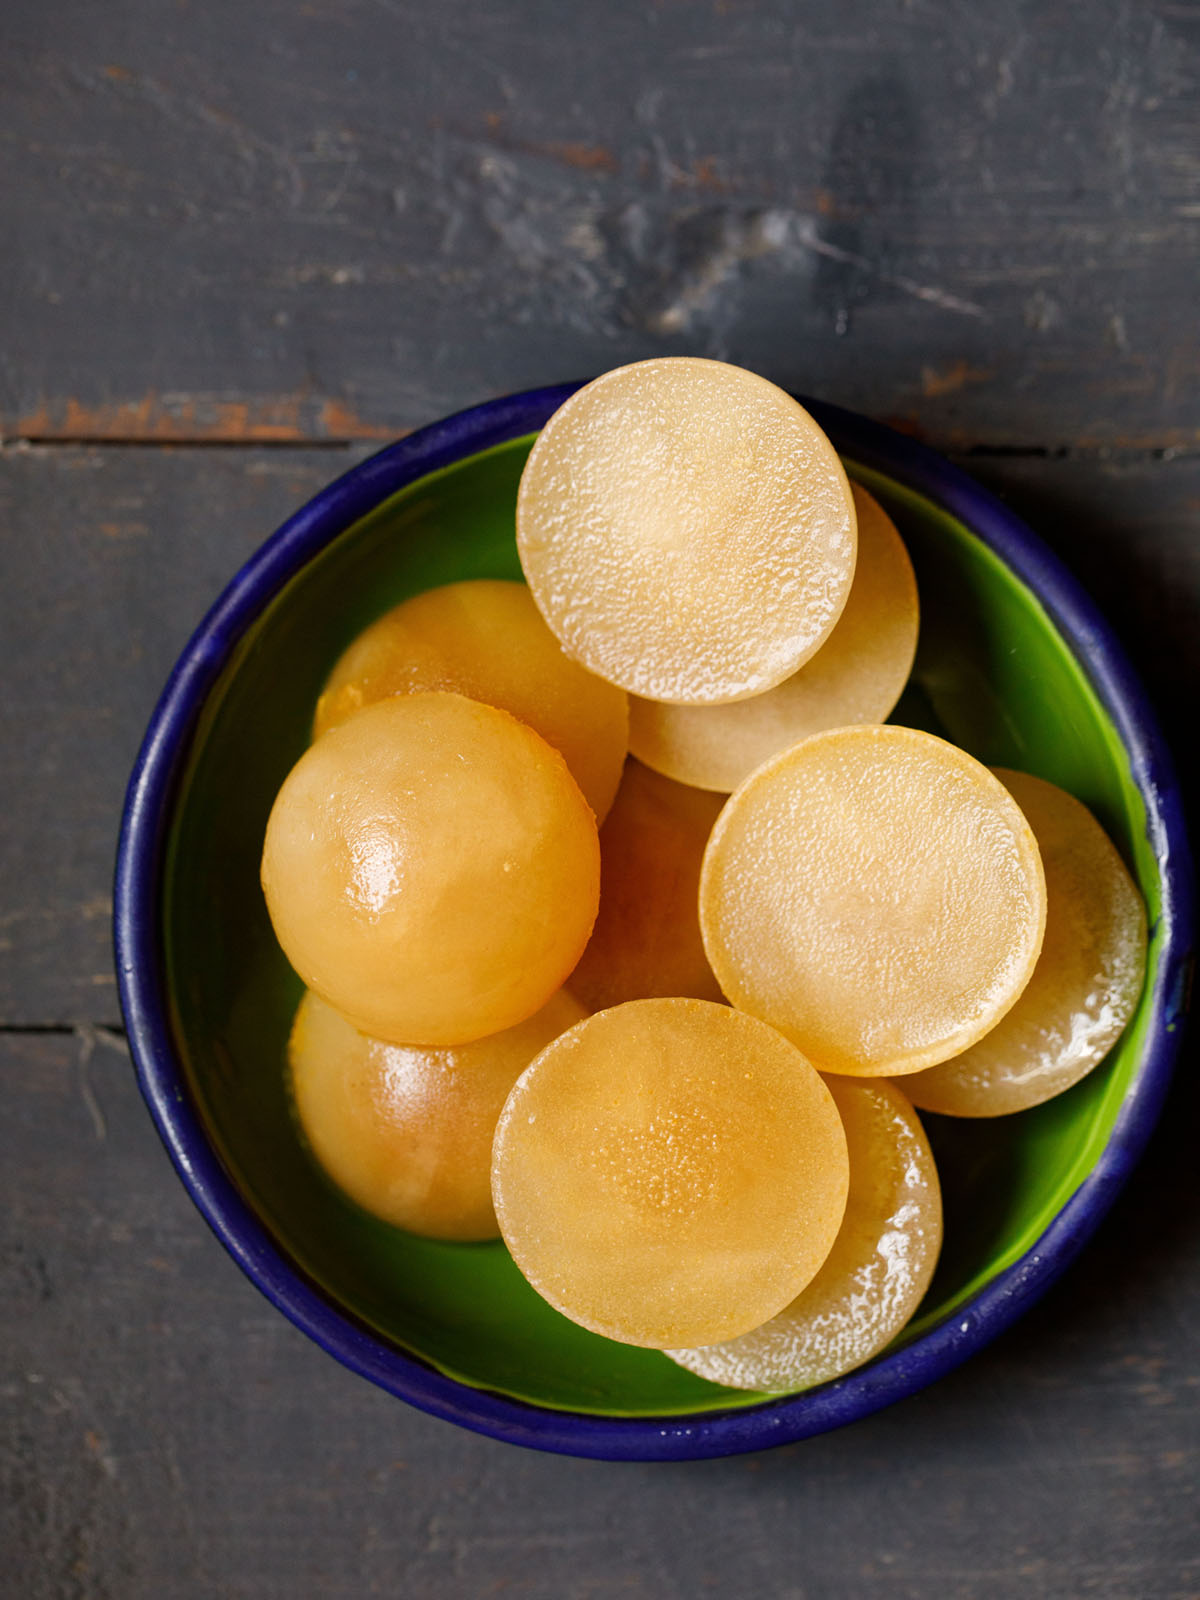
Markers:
947,380
197,418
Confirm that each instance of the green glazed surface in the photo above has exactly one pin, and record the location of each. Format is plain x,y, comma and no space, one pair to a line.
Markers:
992,674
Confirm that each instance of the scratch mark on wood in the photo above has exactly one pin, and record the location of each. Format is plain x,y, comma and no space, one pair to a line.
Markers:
89,1037
124,530
340,421
187,112
937,381
587,157
920,291
98,1448
577,153
703,173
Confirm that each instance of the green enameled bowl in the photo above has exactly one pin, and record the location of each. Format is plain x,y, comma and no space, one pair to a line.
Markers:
1013,665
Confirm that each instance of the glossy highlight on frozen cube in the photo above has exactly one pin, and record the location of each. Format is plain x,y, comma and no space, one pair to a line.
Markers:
877,895
406,1130
485,638
856,676
687,530
877,1272
646,942
670,1172
1085,985
432,869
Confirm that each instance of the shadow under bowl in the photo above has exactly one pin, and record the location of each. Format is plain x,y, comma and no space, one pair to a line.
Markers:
1014,664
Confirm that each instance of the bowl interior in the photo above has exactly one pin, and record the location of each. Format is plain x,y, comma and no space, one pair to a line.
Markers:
992,673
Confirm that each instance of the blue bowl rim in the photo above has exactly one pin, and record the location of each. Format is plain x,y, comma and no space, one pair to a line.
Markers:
140,968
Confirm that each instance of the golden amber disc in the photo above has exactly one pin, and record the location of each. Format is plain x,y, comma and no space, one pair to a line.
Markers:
486,639
687,530
1085,985
877,1272
856,676
406,1130
432,869
646,941
877,895
669,1172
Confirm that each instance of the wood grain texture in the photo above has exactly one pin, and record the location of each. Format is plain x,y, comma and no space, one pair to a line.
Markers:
343,218
165,1434
108,560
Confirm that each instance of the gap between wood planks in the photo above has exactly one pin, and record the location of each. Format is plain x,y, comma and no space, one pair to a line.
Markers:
305,421
66,1030
1016,451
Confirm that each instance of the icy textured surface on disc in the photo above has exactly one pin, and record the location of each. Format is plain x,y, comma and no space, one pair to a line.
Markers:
856,676
646,941
670,1172
486,639
1085,985
406,1130
432,869
877,895
877,1272
687,530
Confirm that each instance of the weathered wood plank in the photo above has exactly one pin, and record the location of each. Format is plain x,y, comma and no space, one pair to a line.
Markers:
343,219
166,1435
108,561
110,557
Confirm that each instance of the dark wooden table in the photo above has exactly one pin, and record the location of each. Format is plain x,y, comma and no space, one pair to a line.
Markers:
243,244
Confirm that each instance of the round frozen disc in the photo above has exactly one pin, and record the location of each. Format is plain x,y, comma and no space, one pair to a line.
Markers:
669,1172
485,638
877,895
877,1272
856,676
1085,985
432,869
646,942
687,530
406,1130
